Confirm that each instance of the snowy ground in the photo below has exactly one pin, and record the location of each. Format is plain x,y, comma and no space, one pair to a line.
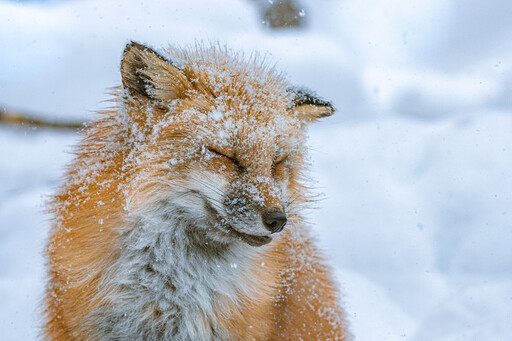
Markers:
416,166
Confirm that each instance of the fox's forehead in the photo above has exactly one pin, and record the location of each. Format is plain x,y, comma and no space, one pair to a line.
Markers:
231,83
222,71
244,131
241,107
271,135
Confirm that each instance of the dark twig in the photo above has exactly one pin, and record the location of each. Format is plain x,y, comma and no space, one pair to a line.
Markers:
23,119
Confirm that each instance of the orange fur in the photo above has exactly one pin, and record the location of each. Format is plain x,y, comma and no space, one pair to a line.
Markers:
145,149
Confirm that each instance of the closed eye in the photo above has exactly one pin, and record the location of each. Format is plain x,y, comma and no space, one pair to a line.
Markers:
232,159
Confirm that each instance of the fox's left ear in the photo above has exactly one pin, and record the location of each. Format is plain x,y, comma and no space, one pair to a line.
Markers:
308,106
145,73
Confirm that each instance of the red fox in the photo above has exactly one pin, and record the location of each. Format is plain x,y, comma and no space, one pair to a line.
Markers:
180,217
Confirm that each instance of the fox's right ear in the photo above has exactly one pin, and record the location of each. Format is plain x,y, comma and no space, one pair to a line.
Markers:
308,106
145,73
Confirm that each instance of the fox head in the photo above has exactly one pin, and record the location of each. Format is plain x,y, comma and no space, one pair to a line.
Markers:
216,137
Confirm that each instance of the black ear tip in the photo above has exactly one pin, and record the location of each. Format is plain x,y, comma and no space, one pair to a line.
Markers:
135,46
134,43
304,96
131,44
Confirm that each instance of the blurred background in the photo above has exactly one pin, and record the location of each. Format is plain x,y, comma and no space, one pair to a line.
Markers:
415,167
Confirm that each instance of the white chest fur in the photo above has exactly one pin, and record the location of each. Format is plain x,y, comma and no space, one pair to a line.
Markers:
169,282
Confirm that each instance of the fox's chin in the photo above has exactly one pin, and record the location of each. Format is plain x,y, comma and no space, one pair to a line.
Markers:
250,239
255,240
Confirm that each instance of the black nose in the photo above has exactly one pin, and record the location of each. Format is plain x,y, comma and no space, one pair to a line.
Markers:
274,221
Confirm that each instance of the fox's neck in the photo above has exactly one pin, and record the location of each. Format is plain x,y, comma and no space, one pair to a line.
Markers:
176,279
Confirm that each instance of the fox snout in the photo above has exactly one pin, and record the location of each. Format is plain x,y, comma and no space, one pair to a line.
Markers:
274,220
260,202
